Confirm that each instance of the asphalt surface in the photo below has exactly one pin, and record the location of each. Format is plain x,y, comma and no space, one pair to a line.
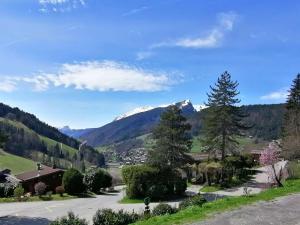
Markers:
40,213
282,211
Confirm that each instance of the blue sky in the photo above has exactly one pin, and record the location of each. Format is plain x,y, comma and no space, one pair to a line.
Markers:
84,62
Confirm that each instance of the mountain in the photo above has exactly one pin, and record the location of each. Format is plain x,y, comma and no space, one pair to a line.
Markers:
31,138
74,133
130,125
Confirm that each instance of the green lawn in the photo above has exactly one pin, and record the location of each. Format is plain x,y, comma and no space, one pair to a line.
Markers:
127,200
54,197
195,213
15,163
212,188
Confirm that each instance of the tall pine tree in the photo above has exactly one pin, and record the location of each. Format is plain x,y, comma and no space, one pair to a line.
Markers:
291,127
173,140
223,120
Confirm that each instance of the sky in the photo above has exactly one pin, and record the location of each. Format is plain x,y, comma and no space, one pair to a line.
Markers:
84,62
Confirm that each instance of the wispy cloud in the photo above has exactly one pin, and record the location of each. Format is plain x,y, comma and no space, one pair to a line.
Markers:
135,11
60,5
211,39
95,76
144,55
280,95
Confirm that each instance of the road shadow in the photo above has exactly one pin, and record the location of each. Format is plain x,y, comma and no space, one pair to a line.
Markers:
15,220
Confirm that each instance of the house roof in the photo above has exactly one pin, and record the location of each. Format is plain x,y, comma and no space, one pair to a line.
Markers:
45,170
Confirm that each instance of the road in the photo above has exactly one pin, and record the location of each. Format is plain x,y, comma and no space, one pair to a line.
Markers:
40,213
282,211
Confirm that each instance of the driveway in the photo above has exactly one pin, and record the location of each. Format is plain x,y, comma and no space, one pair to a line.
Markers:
282,211
39,213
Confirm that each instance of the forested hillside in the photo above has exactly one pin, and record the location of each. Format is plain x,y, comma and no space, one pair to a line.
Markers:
28,137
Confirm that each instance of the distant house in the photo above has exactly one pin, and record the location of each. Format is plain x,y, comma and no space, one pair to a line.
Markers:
50,176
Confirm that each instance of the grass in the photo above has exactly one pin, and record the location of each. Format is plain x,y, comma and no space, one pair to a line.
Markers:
212,188
15,163
195,213
54,197
127,200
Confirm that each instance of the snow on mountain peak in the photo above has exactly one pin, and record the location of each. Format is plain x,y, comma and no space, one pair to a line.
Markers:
134,111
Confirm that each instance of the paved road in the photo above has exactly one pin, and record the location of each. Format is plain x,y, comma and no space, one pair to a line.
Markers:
283,211
42,212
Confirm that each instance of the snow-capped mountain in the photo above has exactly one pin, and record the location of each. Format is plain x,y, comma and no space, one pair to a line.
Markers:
181,105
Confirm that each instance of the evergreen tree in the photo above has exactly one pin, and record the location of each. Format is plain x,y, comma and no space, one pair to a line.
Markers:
291,127
173,140
223,120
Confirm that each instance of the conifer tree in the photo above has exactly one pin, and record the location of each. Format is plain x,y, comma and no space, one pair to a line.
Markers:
291,126
223,120
173,140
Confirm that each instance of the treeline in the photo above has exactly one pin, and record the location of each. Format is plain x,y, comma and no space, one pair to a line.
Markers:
24,142
30,121
265,121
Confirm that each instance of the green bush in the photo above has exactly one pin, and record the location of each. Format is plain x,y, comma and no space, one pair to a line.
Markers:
145,181
139,178
162,209
71,219
6,190
40,188
19,192
73,182
293,170
109,217
95,179
157,191
197,200
180,186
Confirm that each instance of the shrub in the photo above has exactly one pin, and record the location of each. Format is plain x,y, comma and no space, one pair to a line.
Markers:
19,192
293,170
95,179
109,217
60,190
162,209
138,179
40,188
157,191
73,182
7,189
180,186
71,219
197,200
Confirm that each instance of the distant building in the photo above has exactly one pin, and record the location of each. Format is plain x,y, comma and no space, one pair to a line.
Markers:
50,176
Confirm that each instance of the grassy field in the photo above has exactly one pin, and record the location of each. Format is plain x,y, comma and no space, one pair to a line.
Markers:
54,197
212,188
196,213
127,200
15,163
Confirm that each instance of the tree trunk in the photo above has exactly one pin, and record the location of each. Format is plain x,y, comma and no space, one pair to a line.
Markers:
277,178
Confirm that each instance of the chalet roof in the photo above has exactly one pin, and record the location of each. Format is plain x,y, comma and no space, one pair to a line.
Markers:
45,170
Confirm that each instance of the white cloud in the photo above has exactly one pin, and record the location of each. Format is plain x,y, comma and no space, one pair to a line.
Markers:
7,85
144,55
95,76
135,11
60,5
280,95
212,39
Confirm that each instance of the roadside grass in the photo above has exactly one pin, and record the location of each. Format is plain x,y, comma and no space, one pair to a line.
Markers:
15,163
212,188
196,213
127,200
54,197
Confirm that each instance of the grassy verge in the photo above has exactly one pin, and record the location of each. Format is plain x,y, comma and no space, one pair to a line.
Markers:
199,213
212,188
54,197
127,200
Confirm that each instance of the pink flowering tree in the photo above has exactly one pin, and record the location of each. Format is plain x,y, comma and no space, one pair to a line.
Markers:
269,157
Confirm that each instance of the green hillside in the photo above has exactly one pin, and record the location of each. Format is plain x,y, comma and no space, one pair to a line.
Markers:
15,163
